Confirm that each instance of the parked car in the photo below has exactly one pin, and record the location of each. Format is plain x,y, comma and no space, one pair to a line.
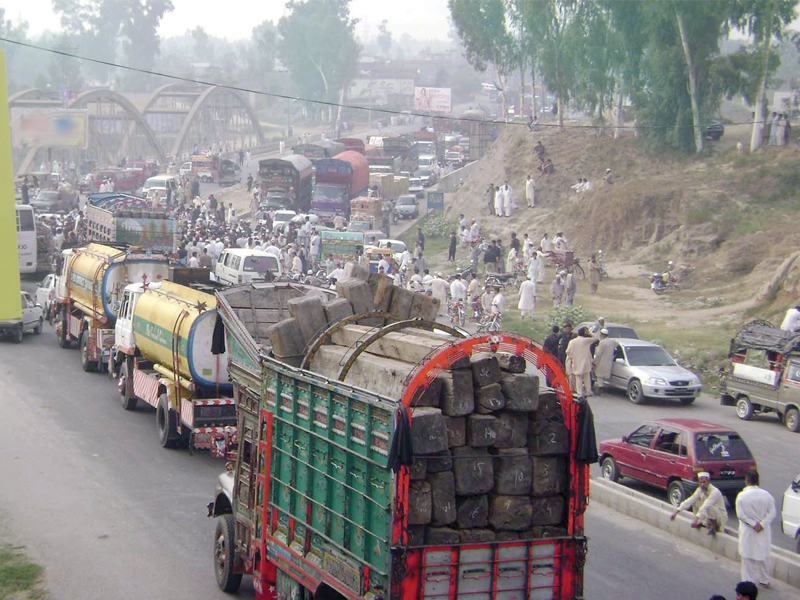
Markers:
668,454
714,130
406,207
32,320
46,293
236,266
646,370
790,511
615,330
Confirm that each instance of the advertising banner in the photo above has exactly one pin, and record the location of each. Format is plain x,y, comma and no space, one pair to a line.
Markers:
62,129
432,99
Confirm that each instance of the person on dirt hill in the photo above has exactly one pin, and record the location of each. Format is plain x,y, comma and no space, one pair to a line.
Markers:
420,238
511,261
500,263
474,231
557,290
499,202
498,302
594,274
527,298
608,177
514,243
451,249
570,287
474,255
508,200
551,341
474,288
539,149
489,257
560,242
546,244
490,192
530,192
791,322
486,300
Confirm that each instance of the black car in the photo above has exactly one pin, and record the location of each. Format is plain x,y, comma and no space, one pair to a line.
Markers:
714,130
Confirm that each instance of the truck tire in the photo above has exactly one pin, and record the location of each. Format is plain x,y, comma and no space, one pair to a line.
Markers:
18,334
792,420
129,401
744,408
224,544
165,422
63,339
87,365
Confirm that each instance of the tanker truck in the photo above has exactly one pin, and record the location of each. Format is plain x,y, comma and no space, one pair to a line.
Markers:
386,456
164,354
89,291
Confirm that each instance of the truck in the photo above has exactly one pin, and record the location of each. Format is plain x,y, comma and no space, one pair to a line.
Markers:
89,291
286,182
353,144
764,374
132,220
339,180
386,165
165,354
404,147
388,187
427,142
205,168
355,479
320,149
229,173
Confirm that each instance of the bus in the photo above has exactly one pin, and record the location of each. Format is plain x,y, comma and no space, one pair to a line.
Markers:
26,239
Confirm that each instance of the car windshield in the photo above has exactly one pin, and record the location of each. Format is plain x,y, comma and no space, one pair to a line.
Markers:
622,332
405,201
260,264
47,196
720,445
648,356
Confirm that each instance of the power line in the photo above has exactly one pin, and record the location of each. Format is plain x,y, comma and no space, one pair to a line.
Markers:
324,102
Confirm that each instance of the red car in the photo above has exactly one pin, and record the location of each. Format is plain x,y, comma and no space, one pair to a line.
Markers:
668,454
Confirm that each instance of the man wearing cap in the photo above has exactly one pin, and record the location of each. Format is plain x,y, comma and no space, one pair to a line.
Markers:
755,509
597,326
438,287
709,506
603,360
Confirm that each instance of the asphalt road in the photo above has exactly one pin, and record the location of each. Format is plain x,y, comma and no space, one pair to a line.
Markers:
110,514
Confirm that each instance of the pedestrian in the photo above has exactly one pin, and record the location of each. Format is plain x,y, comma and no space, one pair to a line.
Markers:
205,260
281,147
499,198
530,191
490,192
527,298
563,340
603,360
551,342
557,290
451,249
755,509
579,362
420,239
570,287
746,590
773,131
791,322
508,200
498,302
594,274
707,501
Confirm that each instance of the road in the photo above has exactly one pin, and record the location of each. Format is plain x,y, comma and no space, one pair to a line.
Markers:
110,514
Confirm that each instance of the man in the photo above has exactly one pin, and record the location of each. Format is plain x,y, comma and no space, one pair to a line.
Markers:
546,245
337,274
791,322
420,238
339,223
527,298
205,260
474,231
755,509
746,590
557,290
564,339
551,342
597,326
458,291
508,199
579,362
594,274
608,177
384,264
539,149
491,194
530,191
427,279
415,283
570,287
560,242
194,263
474,288
499,198
498,302
708,504
462,221
316,244
438,288
296,263
603,360
486,300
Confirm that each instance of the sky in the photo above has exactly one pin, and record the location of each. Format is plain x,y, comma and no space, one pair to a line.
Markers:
235,19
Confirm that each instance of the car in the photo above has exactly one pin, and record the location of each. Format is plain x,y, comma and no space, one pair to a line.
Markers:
714,130
398,246
415,187
236,266
186,169
668,454
51,201
32,320
46,292
312,218
427,177
406,207
790,511
615,330
646,370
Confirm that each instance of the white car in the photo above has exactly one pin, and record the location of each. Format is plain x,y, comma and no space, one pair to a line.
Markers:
790,511
46,292
186,169
301,218
32,320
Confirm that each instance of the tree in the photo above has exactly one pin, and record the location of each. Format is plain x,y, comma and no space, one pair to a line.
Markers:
263,52
12,32
317,45
203,46
384,37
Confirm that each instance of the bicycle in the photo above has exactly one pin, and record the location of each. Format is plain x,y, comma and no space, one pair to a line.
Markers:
490,323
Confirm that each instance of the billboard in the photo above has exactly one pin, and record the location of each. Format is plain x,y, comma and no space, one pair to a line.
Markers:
432,99
62,129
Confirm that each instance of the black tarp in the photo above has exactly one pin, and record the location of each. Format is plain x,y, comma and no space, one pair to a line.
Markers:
400,451
218,337
586,441
761,336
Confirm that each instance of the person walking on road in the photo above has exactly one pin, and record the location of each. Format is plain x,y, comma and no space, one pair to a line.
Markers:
603,359
755,509
579,362
708,504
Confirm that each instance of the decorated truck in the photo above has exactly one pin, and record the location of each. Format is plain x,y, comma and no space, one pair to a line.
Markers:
165,355
133,220
339,180
320,149
400,461
89,293
286,182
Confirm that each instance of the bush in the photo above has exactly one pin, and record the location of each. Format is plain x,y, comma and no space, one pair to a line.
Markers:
566,314
437,226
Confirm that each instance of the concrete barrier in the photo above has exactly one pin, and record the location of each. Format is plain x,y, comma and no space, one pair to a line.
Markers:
784,565
450,182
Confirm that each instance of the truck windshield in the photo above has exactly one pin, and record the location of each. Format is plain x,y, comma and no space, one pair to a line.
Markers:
720,445
648,356
260,264
323,192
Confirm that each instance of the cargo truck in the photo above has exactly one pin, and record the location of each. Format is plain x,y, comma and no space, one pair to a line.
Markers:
399,462
404,147
89,291
286,182
384,165
320,149
133,220
339,180
164,354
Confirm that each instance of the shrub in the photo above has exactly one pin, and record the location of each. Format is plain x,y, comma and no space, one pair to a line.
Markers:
437,226
566,314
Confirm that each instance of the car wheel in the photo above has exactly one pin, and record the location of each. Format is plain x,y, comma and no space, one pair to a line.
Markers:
129,401
635,393
744,408
687,401
609,469
224,544
18,334
38,329
792,420
86,364
165,421
676,493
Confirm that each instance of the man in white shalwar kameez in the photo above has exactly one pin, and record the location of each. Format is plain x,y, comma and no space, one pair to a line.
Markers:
755,509
499,197
508,199
527,298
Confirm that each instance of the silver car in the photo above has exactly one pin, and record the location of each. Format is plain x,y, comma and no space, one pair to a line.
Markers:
646,370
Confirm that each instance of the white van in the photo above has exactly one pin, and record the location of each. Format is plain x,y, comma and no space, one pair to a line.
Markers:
158,186
236,266
426,161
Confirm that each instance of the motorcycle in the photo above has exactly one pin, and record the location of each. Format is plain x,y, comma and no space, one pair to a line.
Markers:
662,282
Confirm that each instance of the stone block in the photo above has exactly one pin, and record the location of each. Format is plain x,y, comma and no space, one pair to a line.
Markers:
456,431
355,271
511,362
481,431
416,536
383,375
440,536
441,461
443,498
382,287
512,429
430,395
474,471
548,510
419,503
521,391
356,292
511,513
507,536
542,532
418,469
473,511
485,371
424,307
457,396
476,536
401,302
428,433
310,316
549,475
548,438
286,340
337,309
489,398
513,472
549,408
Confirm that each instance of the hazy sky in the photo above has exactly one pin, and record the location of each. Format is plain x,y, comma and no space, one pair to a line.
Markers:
423,19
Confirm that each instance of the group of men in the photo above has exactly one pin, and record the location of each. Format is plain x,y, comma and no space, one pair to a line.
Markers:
585,354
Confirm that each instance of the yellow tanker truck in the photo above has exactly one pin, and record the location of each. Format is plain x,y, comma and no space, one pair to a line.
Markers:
89,290
166,354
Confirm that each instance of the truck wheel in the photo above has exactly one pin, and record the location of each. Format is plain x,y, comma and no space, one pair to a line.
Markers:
165,421
129,401
38,329
744,408
609,469
676,493
63,339
224,545
792,420
87,365
18,334
635,393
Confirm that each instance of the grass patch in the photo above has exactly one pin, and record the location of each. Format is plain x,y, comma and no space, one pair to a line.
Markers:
20,579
